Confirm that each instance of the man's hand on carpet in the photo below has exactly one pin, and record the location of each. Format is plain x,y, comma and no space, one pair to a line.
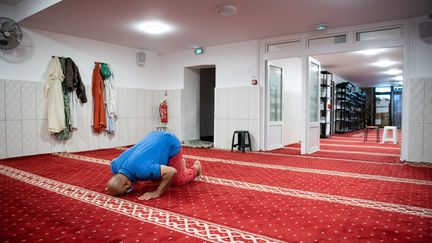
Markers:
149,195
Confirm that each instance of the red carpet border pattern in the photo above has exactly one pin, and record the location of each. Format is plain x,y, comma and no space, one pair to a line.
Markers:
187,225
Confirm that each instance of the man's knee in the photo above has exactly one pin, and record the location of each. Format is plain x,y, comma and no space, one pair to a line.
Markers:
176,181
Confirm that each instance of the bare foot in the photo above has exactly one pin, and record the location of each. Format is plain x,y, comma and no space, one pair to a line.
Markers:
198,167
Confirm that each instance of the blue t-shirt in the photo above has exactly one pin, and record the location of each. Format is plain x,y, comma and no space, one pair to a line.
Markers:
143,160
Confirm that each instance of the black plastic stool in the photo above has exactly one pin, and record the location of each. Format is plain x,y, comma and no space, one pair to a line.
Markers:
241,141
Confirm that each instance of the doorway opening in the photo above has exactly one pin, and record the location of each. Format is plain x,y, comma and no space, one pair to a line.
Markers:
364,97
197,102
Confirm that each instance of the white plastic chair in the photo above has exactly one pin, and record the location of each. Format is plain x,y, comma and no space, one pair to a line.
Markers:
386,138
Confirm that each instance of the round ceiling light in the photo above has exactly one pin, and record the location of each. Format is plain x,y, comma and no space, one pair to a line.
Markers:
226,10
154,27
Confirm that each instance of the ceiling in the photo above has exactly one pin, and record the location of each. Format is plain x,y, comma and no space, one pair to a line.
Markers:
358,68
10,2
195,22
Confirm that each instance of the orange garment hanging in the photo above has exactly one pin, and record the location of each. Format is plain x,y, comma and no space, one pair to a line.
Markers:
99,116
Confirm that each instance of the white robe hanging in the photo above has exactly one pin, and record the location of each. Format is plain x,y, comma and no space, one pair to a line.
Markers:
54,94
110,94
110,102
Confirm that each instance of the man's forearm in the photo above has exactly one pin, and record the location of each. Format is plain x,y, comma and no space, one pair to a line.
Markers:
165,183
167,174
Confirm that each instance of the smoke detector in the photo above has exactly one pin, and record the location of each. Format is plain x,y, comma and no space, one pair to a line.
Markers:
226,10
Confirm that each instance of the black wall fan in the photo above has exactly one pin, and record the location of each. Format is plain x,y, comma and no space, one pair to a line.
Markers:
10,34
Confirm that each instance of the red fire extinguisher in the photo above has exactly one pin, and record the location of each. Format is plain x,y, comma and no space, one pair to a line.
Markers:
163,111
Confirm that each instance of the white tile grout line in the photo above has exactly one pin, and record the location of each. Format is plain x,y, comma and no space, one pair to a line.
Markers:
390,207
198,228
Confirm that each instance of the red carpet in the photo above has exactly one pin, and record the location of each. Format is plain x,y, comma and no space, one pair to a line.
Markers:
251,197
353,147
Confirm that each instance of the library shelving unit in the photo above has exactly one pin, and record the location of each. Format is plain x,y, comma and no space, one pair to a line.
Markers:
360,109
326,104
344,110
350,108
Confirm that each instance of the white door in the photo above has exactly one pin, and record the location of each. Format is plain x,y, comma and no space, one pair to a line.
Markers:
313,103
274,103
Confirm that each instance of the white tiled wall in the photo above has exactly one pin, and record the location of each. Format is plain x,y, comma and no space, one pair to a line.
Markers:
420,113
236,108
173,99
2,101
24,125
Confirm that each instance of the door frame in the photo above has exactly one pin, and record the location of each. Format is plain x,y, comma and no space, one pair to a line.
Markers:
296,45
269,123
311,146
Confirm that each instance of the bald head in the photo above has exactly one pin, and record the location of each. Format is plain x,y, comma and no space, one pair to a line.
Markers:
118,185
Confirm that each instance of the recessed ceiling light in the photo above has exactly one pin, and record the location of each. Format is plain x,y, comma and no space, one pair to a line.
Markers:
370,52
398,78
154,27
393,71
384,63
226,10
320,27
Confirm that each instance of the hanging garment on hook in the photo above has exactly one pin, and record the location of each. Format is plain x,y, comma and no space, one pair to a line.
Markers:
99,116
54,94
110,93
110,100
73,81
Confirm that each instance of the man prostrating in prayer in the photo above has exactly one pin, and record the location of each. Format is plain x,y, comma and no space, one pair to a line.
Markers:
157,157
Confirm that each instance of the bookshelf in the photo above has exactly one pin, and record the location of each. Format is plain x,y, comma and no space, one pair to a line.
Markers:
326,104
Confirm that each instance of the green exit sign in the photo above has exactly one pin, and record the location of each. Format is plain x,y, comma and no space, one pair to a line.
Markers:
199,51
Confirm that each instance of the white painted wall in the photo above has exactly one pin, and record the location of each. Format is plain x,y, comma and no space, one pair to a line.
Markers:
236,64
29,61
422,51
292,91
190,122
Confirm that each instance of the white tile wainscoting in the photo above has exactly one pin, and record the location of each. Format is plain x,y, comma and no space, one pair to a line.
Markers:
420,115
23,119
236,108
24,125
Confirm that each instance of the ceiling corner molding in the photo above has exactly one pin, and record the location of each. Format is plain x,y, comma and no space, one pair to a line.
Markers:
27,8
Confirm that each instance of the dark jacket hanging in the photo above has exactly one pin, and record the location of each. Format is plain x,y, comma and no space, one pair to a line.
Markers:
73,80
